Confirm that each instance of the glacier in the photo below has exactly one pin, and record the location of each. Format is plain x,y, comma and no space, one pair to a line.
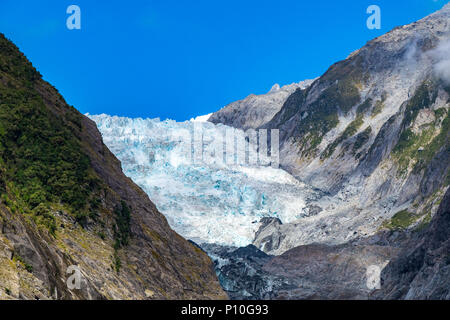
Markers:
206,202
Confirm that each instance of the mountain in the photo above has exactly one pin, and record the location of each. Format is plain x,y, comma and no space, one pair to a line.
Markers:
415,264
65,202
372,134
362,188
256,110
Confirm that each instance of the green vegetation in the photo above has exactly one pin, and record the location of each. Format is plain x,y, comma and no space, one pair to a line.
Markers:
44,217
2,183
379,105
425,222
344,81
439,113
351,68
423,216
15,64
424,97
122,228
401,220
321,118
365,106
44,163
343,94
361,139
102,235
409,146
351,129
407,139
41,153
122,231
117,263
422,147
292,104
26,265
425,156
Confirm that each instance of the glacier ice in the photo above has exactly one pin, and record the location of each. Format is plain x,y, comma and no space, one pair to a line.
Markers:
207,202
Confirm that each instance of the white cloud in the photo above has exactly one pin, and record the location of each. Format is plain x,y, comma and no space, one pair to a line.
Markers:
441,57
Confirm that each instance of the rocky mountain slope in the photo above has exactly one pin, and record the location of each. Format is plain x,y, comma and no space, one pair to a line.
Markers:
372,134
204,201
422,269
415,265
65,201
256,110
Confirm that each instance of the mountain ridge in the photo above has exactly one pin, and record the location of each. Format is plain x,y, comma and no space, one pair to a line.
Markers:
371,133
66,202
257,110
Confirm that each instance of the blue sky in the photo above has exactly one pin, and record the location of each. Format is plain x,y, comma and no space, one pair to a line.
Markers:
179,59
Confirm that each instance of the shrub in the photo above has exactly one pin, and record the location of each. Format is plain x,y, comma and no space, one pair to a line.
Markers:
351,129
401,220
122,229
41,152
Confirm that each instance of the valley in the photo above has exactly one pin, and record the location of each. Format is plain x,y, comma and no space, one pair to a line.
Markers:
364,174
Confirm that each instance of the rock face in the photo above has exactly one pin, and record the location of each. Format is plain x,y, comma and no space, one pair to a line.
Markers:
65,202
256,110
372,134
413,264
315,271
240,271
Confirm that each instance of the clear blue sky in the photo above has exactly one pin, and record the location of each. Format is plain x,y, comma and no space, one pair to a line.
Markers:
179,59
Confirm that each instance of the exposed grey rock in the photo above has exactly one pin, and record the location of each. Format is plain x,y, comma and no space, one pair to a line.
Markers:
372,135
422,269
384,92
267,238
256,110
313,210
240,271
148,261
313,271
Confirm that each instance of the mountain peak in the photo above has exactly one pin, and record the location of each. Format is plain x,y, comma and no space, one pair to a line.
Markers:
446,7
275,88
